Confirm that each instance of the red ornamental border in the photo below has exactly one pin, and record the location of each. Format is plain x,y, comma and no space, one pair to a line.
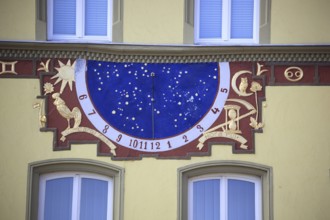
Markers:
240,118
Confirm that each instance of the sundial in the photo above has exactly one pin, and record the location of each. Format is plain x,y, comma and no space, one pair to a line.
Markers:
152,107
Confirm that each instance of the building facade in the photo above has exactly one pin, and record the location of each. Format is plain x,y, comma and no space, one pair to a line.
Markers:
253,138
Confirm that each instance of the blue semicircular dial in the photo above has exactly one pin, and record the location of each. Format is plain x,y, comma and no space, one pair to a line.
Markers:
152,100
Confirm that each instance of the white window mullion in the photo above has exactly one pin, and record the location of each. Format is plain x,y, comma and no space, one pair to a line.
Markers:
223,199
42,196
256,20
258,199
80,18
226,20
50,19
110,201
76,196
197,20
110,20
190,200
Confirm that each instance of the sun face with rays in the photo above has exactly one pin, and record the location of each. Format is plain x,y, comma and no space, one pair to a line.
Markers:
65,74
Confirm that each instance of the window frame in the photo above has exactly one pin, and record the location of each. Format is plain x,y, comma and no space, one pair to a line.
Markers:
218,168
77,181
37,169
224,177
226,17
80,24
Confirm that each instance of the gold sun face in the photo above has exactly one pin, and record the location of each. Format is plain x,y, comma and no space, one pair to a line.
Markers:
65,74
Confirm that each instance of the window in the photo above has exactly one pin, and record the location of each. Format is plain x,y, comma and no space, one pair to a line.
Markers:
83,20
227,21
78,196
228,197
74,190
225,190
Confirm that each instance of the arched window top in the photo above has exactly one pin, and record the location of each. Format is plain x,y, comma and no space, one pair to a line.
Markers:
222,179
78,176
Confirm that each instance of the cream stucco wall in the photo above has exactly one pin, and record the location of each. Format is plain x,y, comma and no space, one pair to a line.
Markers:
161,22
153,22
17,20
295,143
300,22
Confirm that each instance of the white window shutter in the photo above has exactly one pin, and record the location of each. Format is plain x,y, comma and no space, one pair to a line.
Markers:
210,19
117,21
241,22
96,17
64,17
264,30
188,26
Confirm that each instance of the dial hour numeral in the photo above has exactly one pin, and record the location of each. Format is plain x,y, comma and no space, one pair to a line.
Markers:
200,128
215,110
105,130
82,97
92,113
143,145
224,90
169,144
119,138
157,145
134,143
185,138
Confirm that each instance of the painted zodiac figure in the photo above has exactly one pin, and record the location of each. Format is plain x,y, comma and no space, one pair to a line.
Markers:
65,112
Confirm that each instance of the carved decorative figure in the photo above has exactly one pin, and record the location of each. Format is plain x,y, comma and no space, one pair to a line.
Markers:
243,85
65,74
42,117
5,69
232,114
293,74
44,66
65,112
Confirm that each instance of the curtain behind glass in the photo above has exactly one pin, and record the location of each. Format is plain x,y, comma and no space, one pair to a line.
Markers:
206,200
94,199
241,200
58,199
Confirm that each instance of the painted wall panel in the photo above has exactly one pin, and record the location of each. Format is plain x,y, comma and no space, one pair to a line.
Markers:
294,142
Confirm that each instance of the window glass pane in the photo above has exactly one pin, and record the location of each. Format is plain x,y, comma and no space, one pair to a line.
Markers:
94,199
96,17
206,200
241,200
58,199
64,17
242,19
210,19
